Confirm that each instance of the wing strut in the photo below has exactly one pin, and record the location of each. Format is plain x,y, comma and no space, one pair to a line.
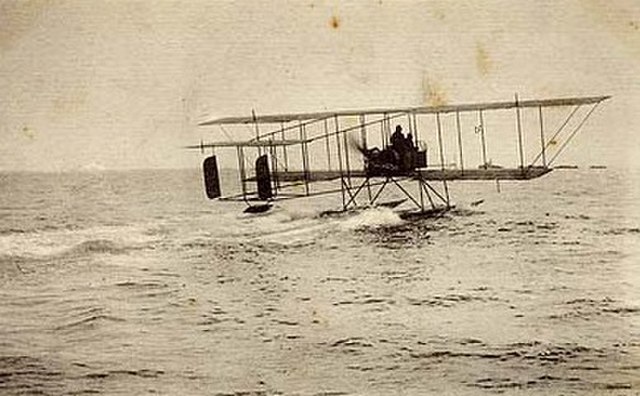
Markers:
575,131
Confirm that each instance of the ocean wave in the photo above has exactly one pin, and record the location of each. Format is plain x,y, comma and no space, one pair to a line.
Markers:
96,246
71,243
85,248
10,231
87,322
11,265
619,231
144,373
22,374
400,235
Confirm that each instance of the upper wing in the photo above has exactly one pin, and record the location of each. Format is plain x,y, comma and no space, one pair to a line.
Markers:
278,118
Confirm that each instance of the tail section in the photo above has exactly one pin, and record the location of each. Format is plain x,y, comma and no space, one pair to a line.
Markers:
211,177
263,177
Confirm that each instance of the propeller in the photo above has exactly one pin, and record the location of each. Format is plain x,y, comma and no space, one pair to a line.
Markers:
354,143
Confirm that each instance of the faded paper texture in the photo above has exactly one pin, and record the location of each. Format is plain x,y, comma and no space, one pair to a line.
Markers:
118,275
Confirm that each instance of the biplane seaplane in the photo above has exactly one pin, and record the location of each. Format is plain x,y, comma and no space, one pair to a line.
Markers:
355,154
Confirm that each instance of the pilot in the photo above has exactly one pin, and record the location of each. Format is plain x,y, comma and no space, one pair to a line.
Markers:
400,150
397,138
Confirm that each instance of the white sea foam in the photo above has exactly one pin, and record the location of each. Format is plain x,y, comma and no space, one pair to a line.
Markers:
373,217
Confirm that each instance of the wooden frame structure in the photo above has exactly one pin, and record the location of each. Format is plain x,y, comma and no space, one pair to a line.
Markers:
331,133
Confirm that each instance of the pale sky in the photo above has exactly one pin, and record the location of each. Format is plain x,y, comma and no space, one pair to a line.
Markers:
122,84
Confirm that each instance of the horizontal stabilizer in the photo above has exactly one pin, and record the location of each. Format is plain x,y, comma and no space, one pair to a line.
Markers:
247,143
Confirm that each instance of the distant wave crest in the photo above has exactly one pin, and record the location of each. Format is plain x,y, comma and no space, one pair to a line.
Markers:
37,247
96,246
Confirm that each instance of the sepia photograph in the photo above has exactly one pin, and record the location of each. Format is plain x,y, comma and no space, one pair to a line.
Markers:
319,198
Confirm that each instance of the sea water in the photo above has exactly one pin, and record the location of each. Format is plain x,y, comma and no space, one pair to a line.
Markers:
133,283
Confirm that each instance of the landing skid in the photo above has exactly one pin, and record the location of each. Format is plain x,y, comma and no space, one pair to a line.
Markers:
258,208
426,214
407,214
340,212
